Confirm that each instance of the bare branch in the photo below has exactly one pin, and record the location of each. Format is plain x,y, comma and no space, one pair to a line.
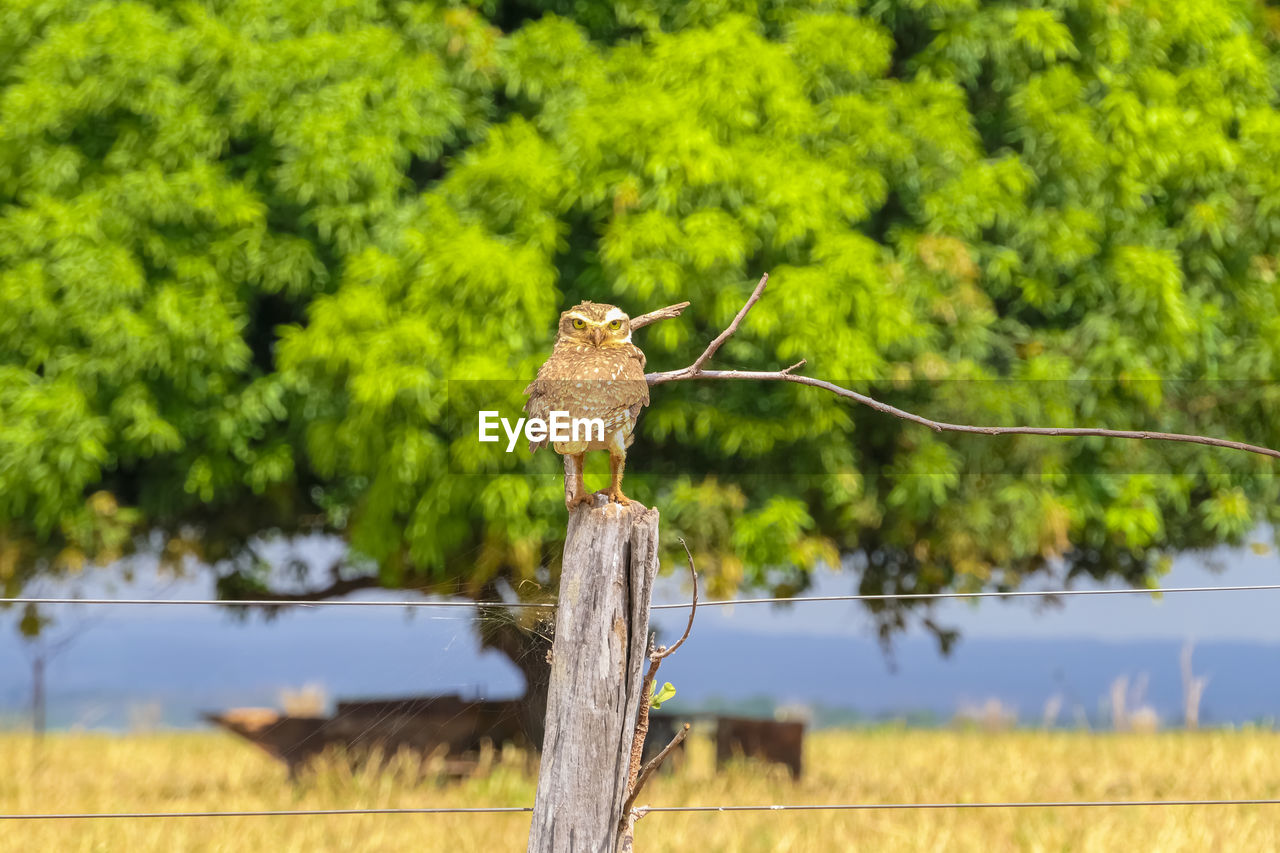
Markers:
658,654
661,314
696,367
652,766
695,371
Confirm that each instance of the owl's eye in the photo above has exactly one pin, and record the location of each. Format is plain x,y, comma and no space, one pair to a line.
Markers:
616,325
579,324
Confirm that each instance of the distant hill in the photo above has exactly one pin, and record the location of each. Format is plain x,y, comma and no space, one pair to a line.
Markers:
166,666
854,674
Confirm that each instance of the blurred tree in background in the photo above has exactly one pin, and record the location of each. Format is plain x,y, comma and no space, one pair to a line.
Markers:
247,247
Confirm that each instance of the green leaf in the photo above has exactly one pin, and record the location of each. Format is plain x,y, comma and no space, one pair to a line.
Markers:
662,694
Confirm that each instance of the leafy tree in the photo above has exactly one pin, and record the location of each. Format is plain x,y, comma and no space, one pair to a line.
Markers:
258,260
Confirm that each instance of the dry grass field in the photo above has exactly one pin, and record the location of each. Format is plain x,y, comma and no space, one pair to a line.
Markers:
197,772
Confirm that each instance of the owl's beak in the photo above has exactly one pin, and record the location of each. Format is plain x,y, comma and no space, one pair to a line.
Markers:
597,336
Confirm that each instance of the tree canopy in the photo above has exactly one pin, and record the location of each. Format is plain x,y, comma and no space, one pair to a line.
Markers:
256,257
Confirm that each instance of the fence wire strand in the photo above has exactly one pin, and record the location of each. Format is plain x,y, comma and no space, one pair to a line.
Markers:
811,807
723,602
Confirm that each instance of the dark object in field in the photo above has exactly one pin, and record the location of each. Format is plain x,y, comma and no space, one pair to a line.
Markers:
457,728
421,726
781,742
662,730
293,740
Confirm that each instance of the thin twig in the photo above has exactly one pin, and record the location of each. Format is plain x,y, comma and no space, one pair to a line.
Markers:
660,653
661,314
652,767
695,371
656,656
635,774
799,364
696,367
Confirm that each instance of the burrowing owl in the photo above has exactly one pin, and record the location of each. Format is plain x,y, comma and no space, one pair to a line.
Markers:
594,372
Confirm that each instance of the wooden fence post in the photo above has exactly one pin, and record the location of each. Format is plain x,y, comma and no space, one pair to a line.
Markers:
597,660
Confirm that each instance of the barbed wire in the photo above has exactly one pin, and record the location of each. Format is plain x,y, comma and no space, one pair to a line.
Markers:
807,807
724,602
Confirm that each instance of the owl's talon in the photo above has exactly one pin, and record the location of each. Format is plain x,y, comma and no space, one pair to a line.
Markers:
583,497
616,496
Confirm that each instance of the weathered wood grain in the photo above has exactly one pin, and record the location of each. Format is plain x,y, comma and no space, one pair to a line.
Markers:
610,559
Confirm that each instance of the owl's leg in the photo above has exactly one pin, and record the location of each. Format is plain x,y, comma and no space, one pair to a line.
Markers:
617,462
575,490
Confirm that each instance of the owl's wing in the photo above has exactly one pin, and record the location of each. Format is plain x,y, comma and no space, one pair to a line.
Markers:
543,396
620,398
631,391
635,372
541,391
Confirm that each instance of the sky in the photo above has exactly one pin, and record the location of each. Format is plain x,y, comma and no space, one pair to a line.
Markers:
1241,616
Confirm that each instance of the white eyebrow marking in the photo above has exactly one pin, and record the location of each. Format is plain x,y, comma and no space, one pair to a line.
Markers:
615,314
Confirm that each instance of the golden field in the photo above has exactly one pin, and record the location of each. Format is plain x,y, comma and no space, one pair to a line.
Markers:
213,772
